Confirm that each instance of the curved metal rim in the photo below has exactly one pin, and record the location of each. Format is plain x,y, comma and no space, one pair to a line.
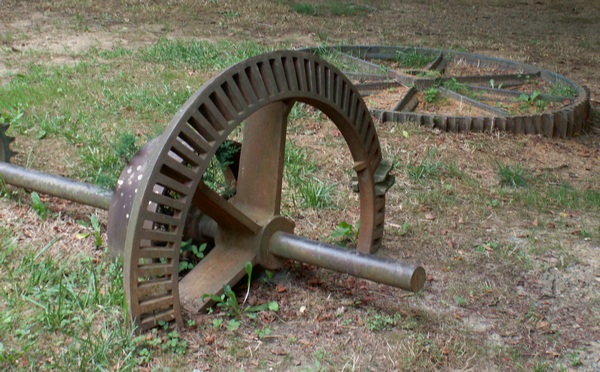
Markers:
565,122
197,131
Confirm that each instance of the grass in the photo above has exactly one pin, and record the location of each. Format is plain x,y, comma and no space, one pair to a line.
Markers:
512,175
200,55
412,58
68,314
107,162
76,302
305,190
545,197
334,8
336,58
431,95
80,104
379,322
562,90
460,88
426,168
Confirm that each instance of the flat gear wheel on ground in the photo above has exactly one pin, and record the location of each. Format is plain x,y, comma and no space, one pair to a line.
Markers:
5,141
462,92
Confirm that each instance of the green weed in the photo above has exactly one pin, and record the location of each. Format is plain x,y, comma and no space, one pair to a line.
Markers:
329,8
314,193
345,233
191,254
562,90
403,230
229,304
512,176
575,359
377,322
95,231
263,332
460,301
38,206
425,169
233,324
11,116
158,341
530,102
412,58
494,86
431,95
460,88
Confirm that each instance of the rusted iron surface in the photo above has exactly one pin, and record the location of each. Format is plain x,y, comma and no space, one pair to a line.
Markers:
5,141
260,92
121,202
370,67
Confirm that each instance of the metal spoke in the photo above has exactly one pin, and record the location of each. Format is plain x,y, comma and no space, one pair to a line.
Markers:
261,164
224,265
222,211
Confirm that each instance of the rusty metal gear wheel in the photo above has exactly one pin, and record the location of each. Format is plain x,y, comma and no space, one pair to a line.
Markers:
5,141
259,93
462,92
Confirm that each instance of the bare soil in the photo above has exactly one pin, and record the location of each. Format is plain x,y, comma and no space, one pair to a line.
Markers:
532,302
386,99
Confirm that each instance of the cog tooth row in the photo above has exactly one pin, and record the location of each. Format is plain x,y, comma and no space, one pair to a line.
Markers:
5,141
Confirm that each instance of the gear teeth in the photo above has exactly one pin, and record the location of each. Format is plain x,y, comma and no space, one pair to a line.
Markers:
5,141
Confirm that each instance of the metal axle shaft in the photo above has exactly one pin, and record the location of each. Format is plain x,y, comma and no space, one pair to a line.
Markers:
381,270
377,269
79,192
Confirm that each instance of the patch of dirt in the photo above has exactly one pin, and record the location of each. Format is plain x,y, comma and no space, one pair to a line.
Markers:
60,234
386,99
447,106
